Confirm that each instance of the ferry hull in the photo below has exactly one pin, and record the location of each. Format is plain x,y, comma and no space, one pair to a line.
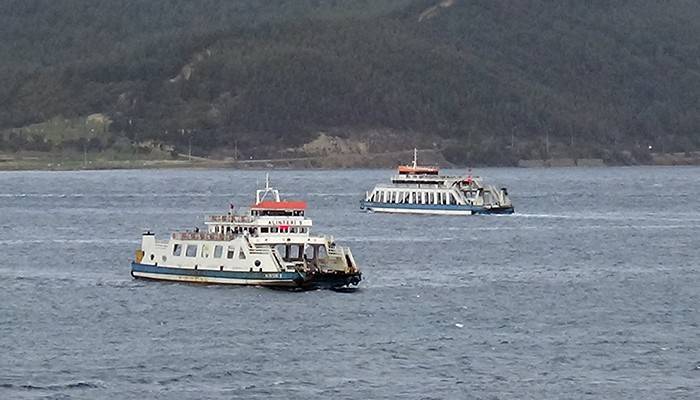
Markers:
432,209
292,280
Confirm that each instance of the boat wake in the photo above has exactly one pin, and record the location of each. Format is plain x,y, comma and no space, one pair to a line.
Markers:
612,217
65,241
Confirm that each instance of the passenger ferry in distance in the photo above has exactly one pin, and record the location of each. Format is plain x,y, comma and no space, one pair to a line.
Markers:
422,190
270,246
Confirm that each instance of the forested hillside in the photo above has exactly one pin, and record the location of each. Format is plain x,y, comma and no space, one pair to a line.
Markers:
486,81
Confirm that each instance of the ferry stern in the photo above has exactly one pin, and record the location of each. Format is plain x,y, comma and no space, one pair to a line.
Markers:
330,280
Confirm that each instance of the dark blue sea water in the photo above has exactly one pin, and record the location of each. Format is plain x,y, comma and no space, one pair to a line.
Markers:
590,291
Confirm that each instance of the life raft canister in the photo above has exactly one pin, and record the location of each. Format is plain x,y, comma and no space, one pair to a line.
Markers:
139,256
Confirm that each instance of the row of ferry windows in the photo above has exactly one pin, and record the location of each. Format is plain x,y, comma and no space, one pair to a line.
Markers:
284,229
287,252
415,197
296,252
191,251
273,229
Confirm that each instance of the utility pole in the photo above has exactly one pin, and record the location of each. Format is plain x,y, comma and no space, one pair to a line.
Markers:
189,152
85,145
135,149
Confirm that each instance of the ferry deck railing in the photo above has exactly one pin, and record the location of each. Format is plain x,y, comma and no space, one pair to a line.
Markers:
230,218
203,236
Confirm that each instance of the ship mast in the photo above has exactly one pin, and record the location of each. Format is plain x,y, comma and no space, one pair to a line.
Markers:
261,193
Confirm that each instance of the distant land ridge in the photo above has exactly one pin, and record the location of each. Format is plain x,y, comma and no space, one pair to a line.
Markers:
481,82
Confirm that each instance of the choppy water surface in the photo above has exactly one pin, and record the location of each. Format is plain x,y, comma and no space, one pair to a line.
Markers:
589,291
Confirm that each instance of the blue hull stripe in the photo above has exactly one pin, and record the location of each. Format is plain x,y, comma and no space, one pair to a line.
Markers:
272,276
438,207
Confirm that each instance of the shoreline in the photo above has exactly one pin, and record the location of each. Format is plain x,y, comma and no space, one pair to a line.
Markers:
312,163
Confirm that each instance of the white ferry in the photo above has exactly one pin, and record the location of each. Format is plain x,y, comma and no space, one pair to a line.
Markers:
422,190
270,246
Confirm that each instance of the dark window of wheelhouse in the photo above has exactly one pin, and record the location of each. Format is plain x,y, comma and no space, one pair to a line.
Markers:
264,230
177,249
191,250
230,252
322,254
309,252
281,250
295,252
241,254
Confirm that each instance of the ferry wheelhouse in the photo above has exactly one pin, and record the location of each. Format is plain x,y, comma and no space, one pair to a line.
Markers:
270,246
422,190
